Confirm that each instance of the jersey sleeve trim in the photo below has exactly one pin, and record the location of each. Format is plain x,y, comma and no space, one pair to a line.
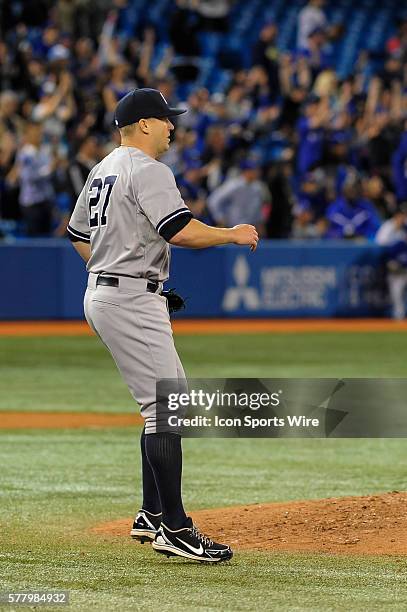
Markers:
175,225
176,213
76,235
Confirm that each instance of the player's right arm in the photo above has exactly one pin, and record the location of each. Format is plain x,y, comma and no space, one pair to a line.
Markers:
197,235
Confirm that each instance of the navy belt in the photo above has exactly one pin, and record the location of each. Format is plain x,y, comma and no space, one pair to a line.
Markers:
113,281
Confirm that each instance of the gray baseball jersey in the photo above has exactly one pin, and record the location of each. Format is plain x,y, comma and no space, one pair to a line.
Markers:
129,208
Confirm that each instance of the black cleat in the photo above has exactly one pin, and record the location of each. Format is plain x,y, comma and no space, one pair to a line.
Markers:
145,526
188,542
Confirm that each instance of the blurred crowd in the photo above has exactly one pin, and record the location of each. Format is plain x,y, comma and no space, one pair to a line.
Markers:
284,144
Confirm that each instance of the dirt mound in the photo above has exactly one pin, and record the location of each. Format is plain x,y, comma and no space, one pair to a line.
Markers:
66,420
372,524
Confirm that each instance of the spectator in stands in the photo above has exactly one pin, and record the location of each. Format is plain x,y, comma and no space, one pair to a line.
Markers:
392,71
35,168
315,54
237,105
394,229
294,96
189,183
379,126
35,74
310,18
85,67
9,208
257,87
89,16
55,108
326,87
65,13
393,235
74,178
183,148
89,154
7,67
283,100
216,158
214,14
266,54
50,38
118,85
183,29
279,183
310,207
11,130
383,200
312,194
311,128
240,198
350,215
397,45
10,120
304,225
195,104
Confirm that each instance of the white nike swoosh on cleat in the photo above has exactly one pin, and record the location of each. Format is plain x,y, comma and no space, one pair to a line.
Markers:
197,551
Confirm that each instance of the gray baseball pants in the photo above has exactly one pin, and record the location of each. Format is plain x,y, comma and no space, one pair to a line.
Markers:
135,326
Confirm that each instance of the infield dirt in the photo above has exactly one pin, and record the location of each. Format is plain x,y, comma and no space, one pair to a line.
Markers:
369,525
214,326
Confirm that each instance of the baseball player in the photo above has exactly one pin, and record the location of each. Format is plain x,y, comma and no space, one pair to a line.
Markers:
127,213
393,235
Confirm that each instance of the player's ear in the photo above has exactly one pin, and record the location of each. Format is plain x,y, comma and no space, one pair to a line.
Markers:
144,127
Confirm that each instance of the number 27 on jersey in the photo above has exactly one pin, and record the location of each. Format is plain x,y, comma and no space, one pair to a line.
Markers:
97,204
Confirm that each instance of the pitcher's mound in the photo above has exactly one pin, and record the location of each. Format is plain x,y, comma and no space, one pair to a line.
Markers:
373,524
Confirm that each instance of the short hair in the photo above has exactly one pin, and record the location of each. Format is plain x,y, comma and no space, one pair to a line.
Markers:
128,130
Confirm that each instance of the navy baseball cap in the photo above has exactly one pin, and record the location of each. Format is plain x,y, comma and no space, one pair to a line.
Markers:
142,104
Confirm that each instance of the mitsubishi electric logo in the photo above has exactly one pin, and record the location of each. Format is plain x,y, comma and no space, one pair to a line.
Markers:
242,294
286,288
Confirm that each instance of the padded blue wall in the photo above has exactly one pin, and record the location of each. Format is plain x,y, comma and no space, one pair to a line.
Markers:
46,279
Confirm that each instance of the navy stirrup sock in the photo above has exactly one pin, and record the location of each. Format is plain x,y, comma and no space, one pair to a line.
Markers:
165,456
151,499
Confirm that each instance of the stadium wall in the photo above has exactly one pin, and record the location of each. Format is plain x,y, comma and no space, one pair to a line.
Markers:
46,280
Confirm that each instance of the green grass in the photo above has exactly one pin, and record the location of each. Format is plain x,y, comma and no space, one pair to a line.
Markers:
55,484
122,576
60,474
78,373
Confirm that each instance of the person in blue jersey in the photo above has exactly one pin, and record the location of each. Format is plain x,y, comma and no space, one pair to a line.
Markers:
311,129
351,215
35,169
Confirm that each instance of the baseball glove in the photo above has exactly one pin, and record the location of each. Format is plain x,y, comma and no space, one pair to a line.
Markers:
174,301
